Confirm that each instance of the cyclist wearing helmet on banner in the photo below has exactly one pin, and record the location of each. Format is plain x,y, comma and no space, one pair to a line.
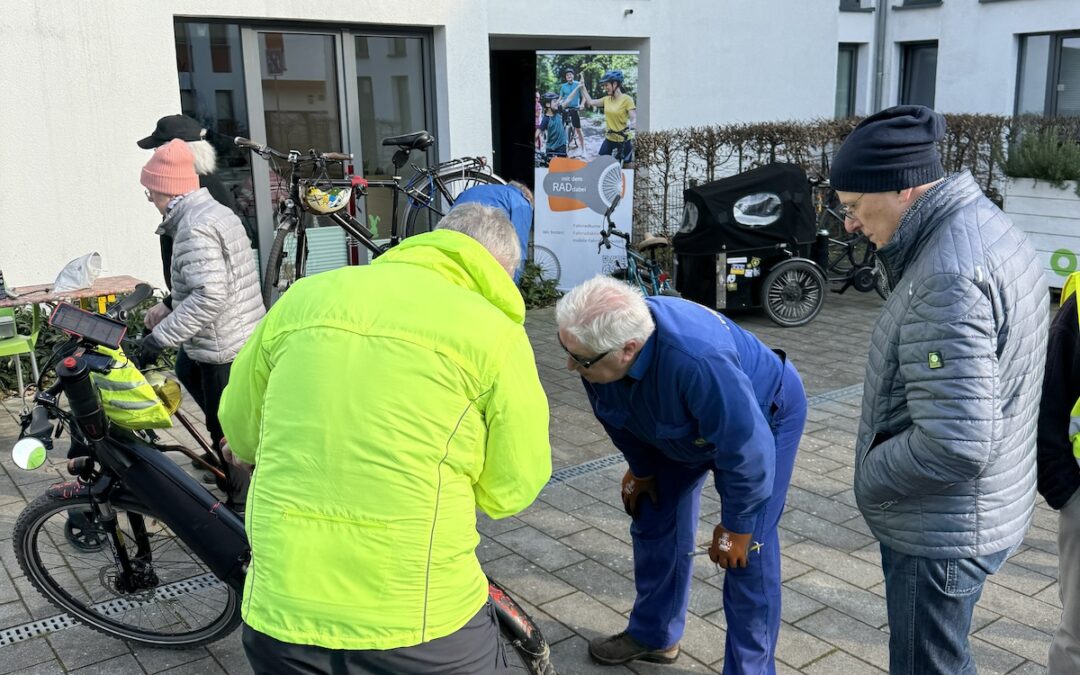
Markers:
570,93
620,116
553,127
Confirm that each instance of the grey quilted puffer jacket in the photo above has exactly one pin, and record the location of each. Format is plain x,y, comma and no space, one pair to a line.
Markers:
945,457
215,295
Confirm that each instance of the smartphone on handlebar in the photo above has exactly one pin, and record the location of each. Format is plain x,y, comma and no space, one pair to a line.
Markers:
94,328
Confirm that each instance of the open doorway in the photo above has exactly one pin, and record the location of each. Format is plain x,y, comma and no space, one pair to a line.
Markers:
513,77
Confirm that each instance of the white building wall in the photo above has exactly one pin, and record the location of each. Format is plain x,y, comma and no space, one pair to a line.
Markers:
82,84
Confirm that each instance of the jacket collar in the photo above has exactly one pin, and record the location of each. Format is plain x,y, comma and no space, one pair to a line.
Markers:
174,212
463,261
923,219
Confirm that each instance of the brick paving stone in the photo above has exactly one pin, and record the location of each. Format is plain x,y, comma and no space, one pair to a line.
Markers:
585,616
1037,560
839,564
605,549
522,578
605,518
1018,606
852,636
22,655
991,660
1017,638
79,646
229,654
155,660
811,461
572,656
796,606
822,485
539,548
551,521
205,666
1021,579
600,583
564,496
553,630
121,665
798,648
1029,668
705,598
790,568
816,505
1044,540
822,531
685,664
493,527
851,600
1051,595
840,663
489,550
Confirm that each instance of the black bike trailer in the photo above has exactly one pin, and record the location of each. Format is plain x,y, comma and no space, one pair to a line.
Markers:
749,241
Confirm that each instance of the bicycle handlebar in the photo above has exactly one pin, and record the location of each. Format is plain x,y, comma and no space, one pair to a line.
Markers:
292,155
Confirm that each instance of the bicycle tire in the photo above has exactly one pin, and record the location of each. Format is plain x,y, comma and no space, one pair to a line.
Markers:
419,217
545,259
283,266
520,660
37,526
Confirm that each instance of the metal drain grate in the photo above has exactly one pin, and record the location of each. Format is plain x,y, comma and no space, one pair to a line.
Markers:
115,607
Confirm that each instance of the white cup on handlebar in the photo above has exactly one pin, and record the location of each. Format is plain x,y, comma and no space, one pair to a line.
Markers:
28,453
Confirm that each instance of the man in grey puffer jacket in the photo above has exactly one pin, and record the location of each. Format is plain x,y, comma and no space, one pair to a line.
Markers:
945,457
216,302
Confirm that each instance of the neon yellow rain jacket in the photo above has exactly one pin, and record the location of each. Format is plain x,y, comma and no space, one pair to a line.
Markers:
381,405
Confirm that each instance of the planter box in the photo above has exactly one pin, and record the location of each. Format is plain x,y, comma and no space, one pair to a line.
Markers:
1051,218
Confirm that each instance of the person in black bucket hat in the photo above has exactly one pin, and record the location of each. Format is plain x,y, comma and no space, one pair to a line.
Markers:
945,457
173,126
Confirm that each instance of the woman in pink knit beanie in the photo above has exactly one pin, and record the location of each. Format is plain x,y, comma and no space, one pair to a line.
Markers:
215,301
170,173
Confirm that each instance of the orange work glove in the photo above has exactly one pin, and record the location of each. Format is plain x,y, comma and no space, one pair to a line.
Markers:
729,549
633,487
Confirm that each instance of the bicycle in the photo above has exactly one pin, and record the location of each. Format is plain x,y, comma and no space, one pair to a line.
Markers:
847,259
571,133
428,195
621,152
156,558
641,272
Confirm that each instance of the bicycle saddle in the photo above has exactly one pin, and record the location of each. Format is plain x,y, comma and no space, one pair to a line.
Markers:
652,241
417,140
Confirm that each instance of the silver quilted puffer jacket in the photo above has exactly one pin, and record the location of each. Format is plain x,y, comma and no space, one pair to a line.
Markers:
215,295
945,457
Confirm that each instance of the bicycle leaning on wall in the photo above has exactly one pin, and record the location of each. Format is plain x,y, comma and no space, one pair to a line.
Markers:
314,190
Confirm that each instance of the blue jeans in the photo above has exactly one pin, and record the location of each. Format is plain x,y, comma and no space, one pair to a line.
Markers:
930,602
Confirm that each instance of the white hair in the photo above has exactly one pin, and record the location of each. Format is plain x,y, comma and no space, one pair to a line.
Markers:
489,226
604,314
205,156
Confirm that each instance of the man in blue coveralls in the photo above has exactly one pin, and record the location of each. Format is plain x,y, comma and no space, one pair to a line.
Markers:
682,391
516,201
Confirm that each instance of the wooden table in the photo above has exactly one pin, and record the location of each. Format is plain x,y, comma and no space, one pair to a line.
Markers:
44,293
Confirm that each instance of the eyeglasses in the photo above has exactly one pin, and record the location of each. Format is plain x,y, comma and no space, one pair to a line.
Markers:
846,211
584,363
147,192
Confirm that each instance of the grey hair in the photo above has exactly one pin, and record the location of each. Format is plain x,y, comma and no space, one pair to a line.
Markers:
489,226
524,189
604,313
205,156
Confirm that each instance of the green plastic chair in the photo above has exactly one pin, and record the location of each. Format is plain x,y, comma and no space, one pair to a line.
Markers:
22,344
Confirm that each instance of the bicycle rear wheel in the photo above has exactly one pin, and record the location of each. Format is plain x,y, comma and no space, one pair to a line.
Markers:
285,264
173,601
435,196
545,259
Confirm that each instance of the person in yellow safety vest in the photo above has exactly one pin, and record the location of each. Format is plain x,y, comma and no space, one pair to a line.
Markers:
1059,469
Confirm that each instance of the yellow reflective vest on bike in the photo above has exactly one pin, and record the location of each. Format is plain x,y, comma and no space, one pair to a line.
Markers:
1074,417
381,406
126,396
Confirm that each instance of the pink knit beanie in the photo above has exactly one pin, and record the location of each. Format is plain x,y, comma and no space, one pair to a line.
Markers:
171,171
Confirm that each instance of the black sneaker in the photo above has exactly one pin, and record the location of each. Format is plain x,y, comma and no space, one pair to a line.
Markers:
621,648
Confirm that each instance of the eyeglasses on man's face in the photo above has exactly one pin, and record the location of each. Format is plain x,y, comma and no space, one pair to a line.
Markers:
583,362
846,211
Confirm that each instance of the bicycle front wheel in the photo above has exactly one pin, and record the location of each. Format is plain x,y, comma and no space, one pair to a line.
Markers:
172,600
285,264
431,199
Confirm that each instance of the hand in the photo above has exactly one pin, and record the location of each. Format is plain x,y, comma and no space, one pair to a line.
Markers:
149,351
632,489
729,549
155,314
227,453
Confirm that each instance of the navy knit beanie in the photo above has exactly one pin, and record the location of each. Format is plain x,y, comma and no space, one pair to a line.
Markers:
891,150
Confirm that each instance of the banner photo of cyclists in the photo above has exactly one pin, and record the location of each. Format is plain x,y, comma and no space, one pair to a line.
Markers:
585,116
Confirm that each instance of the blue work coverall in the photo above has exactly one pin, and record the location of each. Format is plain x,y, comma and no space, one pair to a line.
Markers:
706,395
513,203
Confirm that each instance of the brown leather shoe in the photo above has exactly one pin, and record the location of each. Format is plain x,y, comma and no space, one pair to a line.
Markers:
621,648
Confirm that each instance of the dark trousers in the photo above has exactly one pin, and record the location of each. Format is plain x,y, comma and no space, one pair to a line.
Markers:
205,382
474,649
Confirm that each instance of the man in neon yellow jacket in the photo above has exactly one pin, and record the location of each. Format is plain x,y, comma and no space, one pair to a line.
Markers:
381,406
